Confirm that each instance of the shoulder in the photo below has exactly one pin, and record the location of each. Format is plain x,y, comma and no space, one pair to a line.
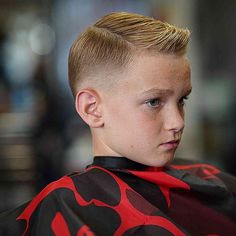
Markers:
58,198
204,171
73,189
200,169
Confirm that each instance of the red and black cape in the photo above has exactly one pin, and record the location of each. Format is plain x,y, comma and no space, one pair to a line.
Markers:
116,196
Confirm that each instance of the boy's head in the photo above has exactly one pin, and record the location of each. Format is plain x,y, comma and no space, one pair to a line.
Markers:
129,76
111,43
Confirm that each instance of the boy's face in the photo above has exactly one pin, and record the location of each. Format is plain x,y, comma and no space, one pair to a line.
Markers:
144,112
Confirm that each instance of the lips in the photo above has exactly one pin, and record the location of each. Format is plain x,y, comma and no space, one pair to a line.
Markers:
173,144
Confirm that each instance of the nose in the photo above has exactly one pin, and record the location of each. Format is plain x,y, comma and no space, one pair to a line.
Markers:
174,119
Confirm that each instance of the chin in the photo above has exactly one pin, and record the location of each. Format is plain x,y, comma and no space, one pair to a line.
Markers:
160,161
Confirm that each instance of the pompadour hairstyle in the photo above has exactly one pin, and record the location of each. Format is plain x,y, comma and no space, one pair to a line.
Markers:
113,40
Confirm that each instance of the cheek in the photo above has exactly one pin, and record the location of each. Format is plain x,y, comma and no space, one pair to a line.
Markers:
148,124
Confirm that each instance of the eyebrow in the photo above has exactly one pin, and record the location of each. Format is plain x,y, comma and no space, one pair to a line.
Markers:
164,91
159,91
189,91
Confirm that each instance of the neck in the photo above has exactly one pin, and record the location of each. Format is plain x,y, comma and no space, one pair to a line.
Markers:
100,148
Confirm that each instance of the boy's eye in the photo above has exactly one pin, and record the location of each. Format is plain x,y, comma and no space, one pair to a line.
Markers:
153,102
182,100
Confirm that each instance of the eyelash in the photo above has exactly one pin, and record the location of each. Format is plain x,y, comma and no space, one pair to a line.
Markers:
182,100
158,100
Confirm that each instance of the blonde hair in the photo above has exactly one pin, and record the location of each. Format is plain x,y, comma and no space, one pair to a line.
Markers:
114,38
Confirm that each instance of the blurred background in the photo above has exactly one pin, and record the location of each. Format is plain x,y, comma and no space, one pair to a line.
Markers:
42,137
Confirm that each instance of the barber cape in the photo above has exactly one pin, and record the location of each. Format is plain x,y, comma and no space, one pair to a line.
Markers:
116,196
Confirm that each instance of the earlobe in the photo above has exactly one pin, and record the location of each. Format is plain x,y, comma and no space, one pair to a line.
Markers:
88,106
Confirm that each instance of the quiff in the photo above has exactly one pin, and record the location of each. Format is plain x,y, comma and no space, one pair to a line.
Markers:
113,40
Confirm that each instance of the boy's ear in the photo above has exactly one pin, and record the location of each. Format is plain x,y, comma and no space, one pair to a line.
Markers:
87,104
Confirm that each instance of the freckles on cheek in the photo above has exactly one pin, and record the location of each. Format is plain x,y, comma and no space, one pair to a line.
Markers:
149,121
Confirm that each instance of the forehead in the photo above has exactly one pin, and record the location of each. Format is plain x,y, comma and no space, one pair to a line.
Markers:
165,71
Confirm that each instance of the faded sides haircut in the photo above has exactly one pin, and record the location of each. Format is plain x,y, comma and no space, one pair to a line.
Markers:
112,41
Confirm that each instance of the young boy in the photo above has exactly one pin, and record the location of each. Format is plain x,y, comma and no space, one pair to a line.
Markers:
130,78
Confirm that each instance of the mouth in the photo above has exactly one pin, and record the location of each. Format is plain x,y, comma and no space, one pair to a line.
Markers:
173,144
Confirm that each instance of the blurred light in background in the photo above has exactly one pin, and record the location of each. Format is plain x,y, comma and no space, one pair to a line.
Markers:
42,39
42,137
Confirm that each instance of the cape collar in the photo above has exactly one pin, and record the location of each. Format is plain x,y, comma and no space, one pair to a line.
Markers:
115,162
